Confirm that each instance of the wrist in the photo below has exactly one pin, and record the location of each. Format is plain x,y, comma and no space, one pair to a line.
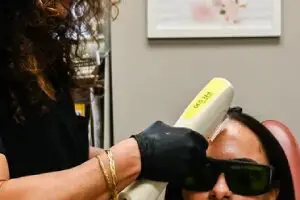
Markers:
94,151
135,154
128,161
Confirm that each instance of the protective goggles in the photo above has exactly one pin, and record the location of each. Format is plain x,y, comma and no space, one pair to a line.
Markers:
242,177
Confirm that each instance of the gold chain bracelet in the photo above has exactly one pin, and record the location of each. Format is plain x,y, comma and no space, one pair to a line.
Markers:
106,176
113,174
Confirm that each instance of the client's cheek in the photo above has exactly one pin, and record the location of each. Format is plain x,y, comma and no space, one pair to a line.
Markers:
188,195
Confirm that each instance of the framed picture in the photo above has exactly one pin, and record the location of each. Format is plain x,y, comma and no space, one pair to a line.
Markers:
213,18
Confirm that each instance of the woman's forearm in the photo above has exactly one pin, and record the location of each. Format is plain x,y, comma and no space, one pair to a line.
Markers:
84,182
128,162
94,151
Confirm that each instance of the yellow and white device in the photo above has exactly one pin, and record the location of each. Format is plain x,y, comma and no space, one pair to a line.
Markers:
204,114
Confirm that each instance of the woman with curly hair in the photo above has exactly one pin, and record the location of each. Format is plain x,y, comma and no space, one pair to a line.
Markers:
44,149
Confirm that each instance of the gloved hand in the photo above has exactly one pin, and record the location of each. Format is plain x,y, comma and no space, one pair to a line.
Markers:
169,153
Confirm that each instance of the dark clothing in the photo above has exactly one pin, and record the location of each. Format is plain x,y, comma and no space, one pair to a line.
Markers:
173,192
53,141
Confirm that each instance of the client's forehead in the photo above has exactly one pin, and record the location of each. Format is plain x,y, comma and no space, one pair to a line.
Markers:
236,141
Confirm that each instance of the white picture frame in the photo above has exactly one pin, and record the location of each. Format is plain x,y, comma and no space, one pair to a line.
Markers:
173,19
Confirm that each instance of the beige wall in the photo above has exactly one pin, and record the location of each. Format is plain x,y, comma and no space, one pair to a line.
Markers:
156,80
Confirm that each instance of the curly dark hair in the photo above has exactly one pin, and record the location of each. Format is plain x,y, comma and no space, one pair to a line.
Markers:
36,42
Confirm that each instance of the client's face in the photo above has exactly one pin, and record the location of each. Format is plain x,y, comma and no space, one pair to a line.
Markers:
235,142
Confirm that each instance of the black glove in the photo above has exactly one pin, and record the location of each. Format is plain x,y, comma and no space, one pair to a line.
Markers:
169,153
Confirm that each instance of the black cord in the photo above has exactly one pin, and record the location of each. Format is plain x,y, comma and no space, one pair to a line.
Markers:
92,127
102,103
111,109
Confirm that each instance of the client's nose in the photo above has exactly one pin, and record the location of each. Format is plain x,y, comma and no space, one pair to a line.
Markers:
221,189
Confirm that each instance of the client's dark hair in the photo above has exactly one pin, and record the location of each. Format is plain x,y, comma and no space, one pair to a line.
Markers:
274,152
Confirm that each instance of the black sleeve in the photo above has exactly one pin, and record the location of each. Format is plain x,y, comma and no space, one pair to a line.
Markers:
4,101
2,151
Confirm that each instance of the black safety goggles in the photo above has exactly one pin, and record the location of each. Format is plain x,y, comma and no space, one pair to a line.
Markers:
242,177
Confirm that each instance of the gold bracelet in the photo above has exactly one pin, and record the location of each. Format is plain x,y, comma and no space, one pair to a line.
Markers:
113,174
106,176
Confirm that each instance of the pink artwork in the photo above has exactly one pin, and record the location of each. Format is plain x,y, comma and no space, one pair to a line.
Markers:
203,12
226,9
230,10
217,3
213,18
